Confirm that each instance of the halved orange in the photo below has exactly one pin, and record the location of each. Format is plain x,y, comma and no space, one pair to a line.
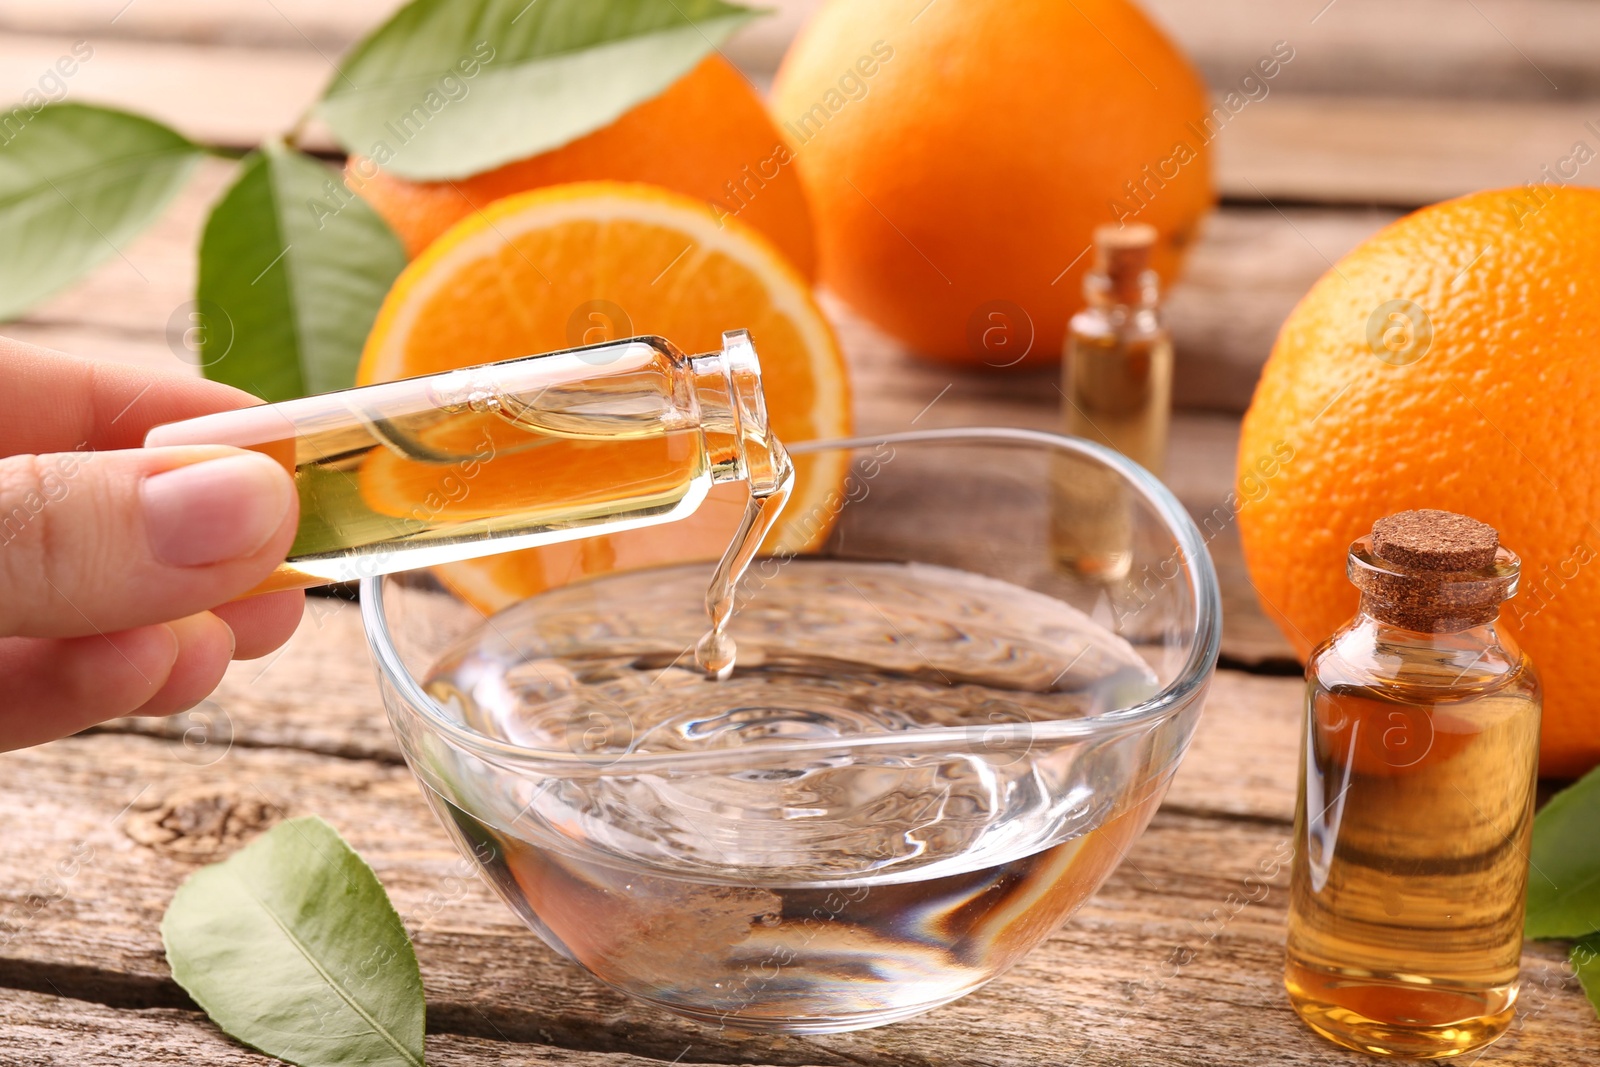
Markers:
591,261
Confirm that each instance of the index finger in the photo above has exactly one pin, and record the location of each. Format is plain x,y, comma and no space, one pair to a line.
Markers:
53,402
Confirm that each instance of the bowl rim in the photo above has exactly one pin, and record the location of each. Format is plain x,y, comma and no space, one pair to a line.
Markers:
1178,694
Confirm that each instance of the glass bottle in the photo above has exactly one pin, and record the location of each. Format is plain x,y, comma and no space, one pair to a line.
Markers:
1116,384
507,455
1418,774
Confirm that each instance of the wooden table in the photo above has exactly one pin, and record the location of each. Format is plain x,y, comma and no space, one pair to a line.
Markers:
1176,961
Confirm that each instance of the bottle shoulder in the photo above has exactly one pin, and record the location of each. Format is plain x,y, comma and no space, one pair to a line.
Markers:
1466,665
1118,324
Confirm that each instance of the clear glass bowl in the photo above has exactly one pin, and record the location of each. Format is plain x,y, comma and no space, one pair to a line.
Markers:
798,873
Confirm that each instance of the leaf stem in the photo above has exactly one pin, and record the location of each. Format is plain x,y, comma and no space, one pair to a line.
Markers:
298,130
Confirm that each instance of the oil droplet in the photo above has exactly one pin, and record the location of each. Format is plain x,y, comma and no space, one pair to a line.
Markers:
714,653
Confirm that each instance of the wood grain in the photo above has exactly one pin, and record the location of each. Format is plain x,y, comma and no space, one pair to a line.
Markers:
216,94
1176,961
293,25
1241,280
319,695
311,25
1285,147
1393,150
46,1030
1493,48
1203,890
1527,49
1392,104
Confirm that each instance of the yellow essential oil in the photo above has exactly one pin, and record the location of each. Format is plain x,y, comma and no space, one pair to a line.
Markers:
1116,385
1418,776
506,455
517,454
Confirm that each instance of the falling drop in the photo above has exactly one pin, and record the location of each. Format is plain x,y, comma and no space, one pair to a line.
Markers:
714,652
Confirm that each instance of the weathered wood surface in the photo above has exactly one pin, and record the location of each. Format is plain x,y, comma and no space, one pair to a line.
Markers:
1398,104
310,25
46,1031
1395,117
225,95
1351,150
1284,147
1523,49
317,696
1492,48
141,812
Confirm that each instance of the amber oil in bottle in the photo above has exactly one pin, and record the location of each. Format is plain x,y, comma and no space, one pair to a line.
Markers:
508,455
1116,385
516,454
1416,801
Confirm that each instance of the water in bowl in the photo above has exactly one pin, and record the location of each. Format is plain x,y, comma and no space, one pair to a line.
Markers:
801,880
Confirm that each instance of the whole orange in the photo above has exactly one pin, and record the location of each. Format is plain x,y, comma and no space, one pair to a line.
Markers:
1452,361
708,136
959,156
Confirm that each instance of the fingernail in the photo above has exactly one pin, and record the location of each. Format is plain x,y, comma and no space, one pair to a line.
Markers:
215,510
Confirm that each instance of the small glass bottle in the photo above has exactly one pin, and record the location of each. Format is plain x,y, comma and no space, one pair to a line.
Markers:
1116,384
507,455
1418,774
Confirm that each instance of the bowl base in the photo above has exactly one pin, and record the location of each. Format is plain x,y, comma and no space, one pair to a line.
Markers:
799,1024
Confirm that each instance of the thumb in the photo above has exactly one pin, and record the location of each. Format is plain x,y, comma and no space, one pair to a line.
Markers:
98,542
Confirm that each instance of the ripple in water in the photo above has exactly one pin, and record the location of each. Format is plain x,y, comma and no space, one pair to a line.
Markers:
826,648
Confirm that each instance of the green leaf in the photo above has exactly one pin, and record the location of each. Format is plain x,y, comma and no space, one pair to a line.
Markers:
1564,876
1586,962
293,268
448,88
77,183
291,945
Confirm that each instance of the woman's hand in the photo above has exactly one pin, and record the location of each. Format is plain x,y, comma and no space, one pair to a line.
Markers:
118,563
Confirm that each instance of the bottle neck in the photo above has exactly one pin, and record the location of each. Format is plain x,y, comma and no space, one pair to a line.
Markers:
1108,314
733,417
1140,292
1431,602
1403,621
1423,629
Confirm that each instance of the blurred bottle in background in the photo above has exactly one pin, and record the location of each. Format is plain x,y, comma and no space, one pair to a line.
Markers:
1116,384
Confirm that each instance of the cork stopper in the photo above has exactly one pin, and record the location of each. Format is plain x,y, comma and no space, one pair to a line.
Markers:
1122,254
1430,540
1432,571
